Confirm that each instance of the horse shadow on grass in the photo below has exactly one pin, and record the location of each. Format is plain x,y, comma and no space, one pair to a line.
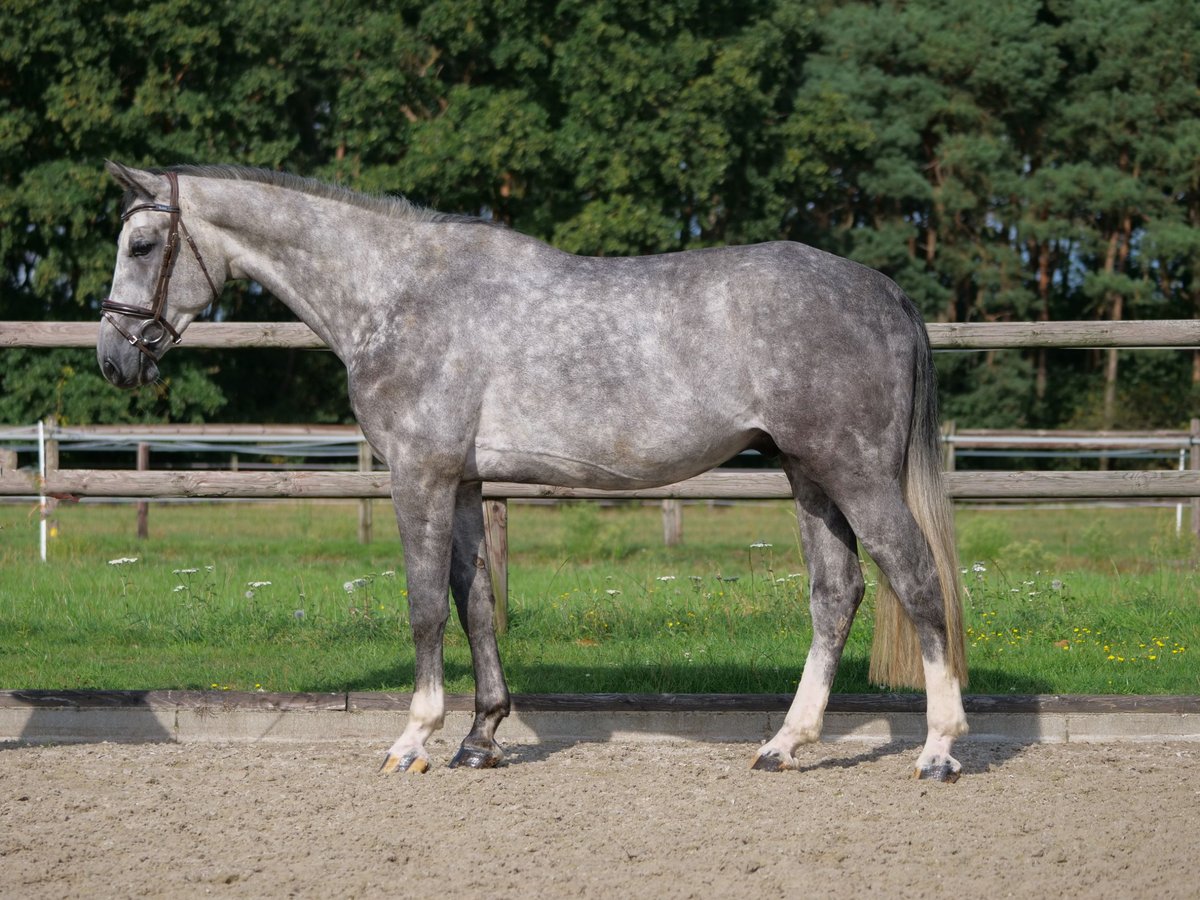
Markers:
859,728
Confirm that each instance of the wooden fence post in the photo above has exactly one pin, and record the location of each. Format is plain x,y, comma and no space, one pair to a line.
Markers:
948,428
143,508
366,462
495,529
51,446
672,513
1194,464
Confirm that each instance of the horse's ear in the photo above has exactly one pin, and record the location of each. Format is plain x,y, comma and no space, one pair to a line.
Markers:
142,184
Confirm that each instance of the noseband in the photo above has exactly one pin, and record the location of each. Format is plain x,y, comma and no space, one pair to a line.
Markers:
155,322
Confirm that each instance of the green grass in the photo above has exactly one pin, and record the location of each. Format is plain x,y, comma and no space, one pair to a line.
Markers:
1061,601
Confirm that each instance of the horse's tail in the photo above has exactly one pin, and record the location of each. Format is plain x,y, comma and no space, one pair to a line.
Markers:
896,652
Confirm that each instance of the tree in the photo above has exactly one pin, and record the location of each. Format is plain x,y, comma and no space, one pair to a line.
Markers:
1031,160
153,84
1130,81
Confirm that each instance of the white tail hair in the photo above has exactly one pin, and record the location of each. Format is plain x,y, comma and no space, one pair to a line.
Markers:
896,652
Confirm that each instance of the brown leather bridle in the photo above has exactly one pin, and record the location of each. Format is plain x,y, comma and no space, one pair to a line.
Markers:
154,315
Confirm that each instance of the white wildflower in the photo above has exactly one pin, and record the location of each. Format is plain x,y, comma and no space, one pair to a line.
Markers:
612,593
665,578
760,545
978,567
257,584
184,571
124,560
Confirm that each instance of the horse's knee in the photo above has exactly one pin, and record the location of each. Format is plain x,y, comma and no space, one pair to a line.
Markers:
427,619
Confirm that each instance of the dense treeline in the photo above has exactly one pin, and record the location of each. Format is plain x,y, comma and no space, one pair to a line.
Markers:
1001,159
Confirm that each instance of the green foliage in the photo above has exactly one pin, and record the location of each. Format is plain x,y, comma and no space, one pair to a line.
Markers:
1002,161
67,385
588,536
981,540
995,393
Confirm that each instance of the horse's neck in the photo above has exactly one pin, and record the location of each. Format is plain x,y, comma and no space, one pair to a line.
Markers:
314,255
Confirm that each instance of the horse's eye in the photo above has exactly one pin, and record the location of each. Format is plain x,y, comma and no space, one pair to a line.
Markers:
141,247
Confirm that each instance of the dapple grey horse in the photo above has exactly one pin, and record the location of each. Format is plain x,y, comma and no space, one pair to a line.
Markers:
477,353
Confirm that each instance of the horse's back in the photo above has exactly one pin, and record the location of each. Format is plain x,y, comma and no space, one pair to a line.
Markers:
644,370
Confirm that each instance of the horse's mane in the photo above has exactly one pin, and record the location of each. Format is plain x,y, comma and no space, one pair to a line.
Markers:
389,205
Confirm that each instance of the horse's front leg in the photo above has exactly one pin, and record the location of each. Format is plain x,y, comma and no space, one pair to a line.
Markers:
471,585
425,517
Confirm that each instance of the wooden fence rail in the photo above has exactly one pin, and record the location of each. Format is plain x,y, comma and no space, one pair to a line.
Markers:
1163,333
730,484
1016,440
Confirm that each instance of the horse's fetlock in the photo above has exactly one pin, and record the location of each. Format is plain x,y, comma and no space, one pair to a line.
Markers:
494,711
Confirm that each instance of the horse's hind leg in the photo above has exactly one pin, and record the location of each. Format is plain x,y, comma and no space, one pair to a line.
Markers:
471,586
890,534
837,590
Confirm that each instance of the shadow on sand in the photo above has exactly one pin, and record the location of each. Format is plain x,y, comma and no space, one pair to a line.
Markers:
858,727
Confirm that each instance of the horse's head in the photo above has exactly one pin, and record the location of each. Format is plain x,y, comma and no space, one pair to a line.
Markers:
158,286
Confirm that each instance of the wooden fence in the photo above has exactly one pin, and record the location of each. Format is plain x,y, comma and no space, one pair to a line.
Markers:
1163,333
716,484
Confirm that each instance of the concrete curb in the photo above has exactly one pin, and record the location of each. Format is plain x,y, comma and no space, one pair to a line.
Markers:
36,717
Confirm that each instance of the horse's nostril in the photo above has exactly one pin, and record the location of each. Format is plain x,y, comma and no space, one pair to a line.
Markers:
109,368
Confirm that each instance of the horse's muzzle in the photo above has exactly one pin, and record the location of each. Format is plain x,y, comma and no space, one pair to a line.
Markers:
121,363
139,371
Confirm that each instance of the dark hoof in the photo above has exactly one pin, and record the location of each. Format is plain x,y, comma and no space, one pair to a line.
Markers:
475,758
771,762
943,772
409,762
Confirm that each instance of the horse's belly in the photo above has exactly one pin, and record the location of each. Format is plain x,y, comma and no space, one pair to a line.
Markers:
622,426
618,466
